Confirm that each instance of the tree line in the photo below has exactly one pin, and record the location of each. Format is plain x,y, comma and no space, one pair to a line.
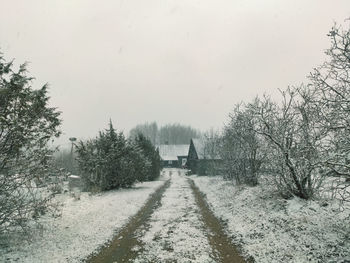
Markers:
167,134
31,175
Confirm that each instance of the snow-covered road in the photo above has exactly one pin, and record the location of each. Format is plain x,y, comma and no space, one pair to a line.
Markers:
175,225
176,232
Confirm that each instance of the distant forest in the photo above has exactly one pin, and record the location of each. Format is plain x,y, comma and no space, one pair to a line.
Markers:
169,133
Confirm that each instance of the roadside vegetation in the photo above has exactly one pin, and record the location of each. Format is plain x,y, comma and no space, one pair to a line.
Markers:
27,125
32,171
110,161
302,140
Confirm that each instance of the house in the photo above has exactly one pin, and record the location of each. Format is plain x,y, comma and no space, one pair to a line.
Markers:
201,159
173,155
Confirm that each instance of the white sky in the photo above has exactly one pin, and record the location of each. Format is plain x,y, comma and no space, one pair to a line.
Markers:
168,61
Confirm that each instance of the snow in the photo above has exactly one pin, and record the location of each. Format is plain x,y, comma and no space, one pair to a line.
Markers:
74,176
171,152
266,227
176,232
272,229
83,227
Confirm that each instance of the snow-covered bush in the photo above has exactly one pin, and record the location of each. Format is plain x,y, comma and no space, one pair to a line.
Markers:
110,161
331,81
295,140
27,124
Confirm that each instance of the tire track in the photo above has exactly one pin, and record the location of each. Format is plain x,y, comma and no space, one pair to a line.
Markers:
177,233
171,232
219,241
120,248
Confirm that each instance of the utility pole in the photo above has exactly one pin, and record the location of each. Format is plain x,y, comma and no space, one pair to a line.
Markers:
72,139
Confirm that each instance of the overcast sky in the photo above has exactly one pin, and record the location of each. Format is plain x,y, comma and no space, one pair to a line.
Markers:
184,61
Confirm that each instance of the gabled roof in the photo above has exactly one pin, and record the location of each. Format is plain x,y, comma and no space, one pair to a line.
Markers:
199,147
171,152
203,152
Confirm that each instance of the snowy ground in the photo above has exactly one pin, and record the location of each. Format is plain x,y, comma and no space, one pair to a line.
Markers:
272,229
176,232
84,226
266,227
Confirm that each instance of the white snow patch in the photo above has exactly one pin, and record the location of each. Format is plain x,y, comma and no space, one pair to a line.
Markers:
271,229
83,227
74,176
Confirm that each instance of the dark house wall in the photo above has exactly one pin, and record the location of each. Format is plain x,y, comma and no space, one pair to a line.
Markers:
167,164
174,164
192,159
182,160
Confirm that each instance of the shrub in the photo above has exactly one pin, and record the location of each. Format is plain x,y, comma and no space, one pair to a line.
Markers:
110,161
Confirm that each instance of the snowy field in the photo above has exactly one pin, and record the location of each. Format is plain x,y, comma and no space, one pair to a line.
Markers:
176,233
272,229
84,226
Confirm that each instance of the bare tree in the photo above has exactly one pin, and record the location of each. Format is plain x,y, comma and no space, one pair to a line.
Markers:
295,138
149,130
211,152
241,147
170,133
332,83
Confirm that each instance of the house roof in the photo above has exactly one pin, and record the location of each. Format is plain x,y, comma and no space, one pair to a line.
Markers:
199,147
171,152
203,152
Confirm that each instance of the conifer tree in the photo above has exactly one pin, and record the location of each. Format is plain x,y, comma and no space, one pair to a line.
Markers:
151,154
27,124
110,161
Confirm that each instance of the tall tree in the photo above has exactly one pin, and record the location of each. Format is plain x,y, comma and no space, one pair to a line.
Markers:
331,81
149,130
27,124
152,156
242,149
294,138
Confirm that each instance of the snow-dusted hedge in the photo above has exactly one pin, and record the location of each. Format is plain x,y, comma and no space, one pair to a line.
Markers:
110,161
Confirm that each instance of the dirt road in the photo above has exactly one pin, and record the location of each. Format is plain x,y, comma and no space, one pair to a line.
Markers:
175,225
